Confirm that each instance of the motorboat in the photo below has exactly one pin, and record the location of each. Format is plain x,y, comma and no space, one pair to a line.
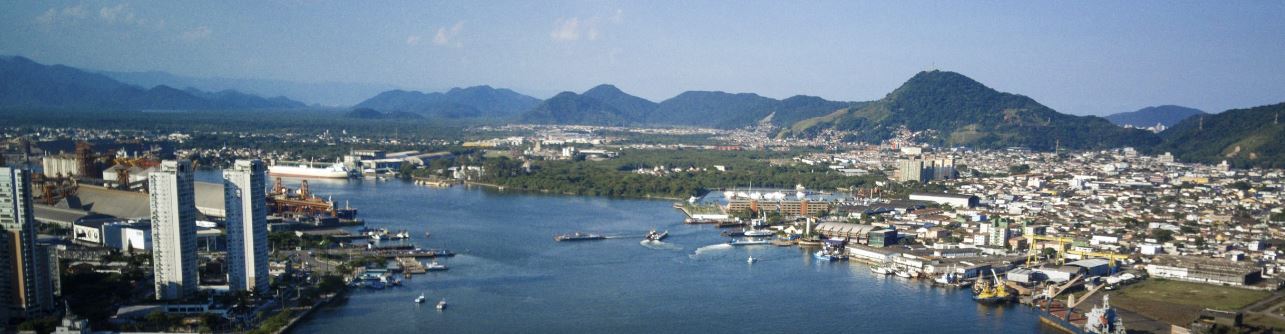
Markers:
421,299
434,266
441,305
751,260
653,235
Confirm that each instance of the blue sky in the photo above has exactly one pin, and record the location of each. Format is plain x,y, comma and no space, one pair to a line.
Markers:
1079,57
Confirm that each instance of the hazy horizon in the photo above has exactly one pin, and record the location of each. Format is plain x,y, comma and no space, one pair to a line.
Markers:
1078,58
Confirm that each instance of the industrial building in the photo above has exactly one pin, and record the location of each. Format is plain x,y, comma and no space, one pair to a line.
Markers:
1203,270
957,201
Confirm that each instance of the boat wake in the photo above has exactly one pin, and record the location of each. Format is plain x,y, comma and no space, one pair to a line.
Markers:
660,245
711,248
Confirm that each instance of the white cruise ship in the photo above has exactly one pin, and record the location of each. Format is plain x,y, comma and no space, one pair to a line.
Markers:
335,171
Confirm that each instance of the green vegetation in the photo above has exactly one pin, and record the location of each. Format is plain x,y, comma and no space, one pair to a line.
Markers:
1243,137
616,177
967,113
1180,303
273,323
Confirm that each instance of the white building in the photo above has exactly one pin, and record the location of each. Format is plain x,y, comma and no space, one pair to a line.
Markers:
244,190
173,208
60,165
24,277
957,201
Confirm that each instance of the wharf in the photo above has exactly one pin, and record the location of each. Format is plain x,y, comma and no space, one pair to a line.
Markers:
435,182
411,265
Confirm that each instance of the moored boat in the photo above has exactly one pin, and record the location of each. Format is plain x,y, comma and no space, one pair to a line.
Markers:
434,266
746,242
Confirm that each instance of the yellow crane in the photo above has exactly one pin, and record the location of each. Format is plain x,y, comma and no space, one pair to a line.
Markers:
1033,253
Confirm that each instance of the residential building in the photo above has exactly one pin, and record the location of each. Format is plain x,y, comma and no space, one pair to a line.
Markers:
26,275
247,225
173,211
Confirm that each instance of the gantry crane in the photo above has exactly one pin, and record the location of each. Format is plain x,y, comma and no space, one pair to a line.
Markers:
1033,253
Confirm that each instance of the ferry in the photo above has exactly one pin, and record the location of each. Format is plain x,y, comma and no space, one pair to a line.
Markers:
434,266
334,171
578,236
757,233
656,236
746,242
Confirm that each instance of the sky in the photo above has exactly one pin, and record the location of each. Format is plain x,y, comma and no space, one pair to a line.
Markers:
1078,57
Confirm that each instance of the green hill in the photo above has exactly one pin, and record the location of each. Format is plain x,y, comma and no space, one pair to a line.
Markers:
963,112
1243,137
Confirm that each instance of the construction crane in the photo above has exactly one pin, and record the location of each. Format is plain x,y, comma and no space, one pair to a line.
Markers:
1033,253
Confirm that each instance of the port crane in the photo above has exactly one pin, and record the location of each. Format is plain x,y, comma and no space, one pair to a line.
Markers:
1033,253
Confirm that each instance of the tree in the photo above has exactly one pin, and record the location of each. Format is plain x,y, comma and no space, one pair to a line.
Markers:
1161,235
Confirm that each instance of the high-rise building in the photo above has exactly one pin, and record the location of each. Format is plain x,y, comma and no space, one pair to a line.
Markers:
911,170
26,276
173,205
999,232
244,193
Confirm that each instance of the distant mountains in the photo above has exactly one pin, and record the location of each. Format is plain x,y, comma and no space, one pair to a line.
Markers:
1243,137
1166,115
25,83
608,105
477,101
325,93
963,112
367,113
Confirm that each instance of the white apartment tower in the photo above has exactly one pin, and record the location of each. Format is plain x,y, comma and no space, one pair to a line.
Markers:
25,287
173,204
244,194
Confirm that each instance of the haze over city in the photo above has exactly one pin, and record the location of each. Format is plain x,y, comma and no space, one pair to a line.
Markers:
1076,57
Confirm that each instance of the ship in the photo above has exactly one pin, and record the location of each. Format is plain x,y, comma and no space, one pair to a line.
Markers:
757,233
441,305
745,242
656,236
334,171
991,293
578,236
434,266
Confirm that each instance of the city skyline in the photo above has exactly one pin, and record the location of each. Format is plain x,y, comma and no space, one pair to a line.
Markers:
1077,58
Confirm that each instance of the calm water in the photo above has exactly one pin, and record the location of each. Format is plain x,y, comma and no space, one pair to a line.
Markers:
511,277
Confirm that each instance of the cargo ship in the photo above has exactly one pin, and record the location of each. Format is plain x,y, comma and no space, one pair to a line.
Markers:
334,171
579,237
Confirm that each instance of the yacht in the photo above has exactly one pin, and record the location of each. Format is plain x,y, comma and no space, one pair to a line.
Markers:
656,236
420,299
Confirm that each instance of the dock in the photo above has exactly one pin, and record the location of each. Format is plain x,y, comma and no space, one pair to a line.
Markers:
411,265
435,182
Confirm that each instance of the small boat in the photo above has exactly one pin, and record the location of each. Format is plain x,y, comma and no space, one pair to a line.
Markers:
822,255
881,270
656,236
441,305
578,236
751,260
745,242
901,273
421,299
434,266
757,233
427,234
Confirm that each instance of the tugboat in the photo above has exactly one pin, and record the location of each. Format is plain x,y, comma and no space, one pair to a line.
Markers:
656,236
420,299
434,266
578,236
991,293
441,305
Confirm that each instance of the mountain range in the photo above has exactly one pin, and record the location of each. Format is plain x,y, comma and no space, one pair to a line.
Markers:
27,84
1166,115
608,105
476,101
321,93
